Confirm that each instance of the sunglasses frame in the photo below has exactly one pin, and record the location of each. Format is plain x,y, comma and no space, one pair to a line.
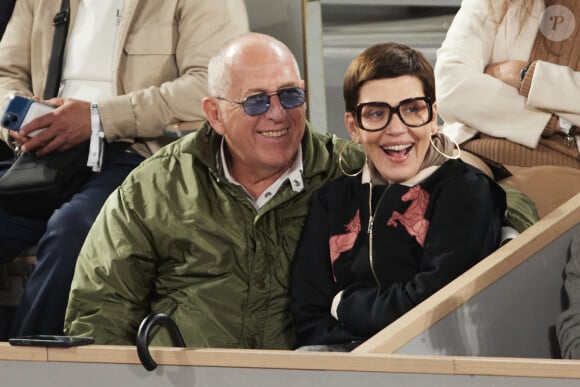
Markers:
267,104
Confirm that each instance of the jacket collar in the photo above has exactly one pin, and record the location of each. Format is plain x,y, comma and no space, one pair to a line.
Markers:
371,174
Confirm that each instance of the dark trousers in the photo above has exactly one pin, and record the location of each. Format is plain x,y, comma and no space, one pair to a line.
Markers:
59,240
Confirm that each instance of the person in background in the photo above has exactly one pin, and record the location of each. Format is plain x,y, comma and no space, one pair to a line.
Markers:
568,323
508,82
379,241
133,68
204,230
6,8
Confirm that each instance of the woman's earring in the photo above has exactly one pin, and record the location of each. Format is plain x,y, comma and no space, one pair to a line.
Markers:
342,168
444,140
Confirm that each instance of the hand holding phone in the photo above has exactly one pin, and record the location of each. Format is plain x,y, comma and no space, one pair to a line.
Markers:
51,341
21,110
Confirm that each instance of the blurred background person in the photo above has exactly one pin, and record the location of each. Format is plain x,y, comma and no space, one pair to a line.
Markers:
508,85
130,70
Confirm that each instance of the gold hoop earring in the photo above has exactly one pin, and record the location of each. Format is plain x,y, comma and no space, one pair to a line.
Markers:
340,163
456,145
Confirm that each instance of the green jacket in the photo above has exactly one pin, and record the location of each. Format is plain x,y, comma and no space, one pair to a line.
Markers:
177,238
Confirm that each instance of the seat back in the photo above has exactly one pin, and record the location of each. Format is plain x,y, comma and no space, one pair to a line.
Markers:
548,186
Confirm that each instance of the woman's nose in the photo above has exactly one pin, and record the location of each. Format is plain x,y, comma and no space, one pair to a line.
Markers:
396,125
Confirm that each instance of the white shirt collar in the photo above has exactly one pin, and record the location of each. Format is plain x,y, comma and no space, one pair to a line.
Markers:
293,175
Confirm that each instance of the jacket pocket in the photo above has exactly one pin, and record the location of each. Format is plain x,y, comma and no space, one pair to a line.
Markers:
149,57
152,40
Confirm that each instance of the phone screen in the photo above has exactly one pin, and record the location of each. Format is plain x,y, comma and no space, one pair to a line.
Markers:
51,341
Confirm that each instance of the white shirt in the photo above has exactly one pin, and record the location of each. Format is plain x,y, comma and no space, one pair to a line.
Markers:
293,174
88,73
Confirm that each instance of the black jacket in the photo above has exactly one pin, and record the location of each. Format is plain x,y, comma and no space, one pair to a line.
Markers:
424,236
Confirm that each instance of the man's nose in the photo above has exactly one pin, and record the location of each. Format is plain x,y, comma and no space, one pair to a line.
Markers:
275,110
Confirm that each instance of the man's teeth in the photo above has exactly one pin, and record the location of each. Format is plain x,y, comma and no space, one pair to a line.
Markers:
397,147
276,133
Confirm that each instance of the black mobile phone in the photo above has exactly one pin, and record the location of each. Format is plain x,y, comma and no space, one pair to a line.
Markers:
21,110
51,341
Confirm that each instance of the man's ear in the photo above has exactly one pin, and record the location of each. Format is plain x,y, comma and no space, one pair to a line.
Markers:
353,129
211,110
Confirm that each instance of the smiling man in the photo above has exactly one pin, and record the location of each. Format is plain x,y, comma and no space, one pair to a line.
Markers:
205,230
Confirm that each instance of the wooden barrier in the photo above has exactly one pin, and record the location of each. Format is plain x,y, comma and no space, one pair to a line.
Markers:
119,366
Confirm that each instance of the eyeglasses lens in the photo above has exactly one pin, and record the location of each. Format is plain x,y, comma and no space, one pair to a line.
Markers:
377,115
260,103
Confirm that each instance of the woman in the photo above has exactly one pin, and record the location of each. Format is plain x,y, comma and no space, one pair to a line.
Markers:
508,85
376,244
508,81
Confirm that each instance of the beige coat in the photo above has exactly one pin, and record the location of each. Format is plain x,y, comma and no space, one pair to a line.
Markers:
160,67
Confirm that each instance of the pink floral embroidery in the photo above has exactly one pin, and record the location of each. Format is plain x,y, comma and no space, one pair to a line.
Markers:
414,218
344,242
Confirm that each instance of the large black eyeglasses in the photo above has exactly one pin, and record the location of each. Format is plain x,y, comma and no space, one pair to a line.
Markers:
257,104
413,112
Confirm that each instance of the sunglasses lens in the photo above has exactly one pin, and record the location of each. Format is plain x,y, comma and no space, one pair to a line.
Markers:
256,104
260,103
292,98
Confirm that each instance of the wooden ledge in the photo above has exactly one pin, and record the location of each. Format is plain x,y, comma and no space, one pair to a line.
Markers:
293,360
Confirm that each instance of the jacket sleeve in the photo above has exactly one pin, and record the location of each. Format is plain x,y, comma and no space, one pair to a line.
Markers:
106,301
463,89
464,227
312,286
568,324
15,54
562,99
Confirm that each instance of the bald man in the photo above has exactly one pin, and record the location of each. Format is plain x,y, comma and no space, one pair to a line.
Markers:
204,231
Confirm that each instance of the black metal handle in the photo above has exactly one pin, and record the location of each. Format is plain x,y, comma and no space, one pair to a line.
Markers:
142,340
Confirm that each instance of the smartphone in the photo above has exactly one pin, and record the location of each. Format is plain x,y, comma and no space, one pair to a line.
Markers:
21,110
51,341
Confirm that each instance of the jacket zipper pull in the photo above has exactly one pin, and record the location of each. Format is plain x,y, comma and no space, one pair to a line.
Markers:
371,220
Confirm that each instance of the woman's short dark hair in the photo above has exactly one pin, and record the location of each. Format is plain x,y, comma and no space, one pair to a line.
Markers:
386,60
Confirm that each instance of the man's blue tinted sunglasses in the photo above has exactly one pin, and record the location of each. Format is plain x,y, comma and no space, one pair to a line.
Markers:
257,104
